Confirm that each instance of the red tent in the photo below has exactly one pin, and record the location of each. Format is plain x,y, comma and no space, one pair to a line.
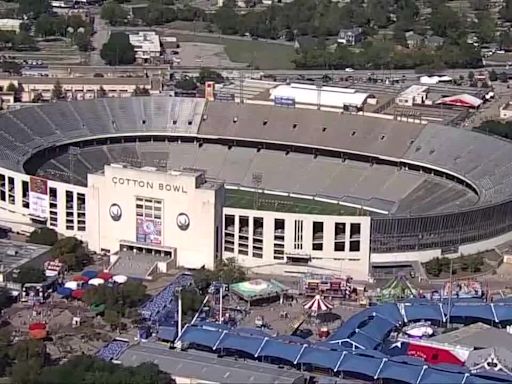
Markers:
77,294
36,326
84,279
105,276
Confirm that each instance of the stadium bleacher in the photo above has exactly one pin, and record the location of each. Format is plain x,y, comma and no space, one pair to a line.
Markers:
455,150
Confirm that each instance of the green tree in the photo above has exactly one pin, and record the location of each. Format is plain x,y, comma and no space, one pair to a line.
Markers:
6,298
30,275
158,14
506,11
101,93
23,41
112,12
71,252
471,75
112,318
138,91
191,301
445,22
82,40
479,5
33,8
43,236
206,74
226,20
57,91
493,76
11,87
186,84
505,40
118,50
503,77
44,26
485,27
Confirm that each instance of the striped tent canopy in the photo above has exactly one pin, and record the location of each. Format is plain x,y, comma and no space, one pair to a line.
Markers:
317,305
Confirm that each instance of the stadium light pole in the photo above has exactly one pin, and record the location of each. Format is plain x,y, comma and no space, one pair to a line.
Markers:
450,297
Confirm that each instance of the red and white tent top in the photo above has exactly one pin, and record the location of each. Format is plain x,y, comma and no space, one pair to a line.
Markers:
463,100
317,304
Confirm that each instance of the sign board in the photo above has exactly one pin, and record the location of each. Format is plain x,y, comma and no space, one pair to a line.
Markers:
39,200
284,101
223,96
149,231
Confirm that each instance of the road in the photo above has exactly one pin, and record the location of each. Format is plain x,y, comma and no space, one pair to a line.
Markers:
98,39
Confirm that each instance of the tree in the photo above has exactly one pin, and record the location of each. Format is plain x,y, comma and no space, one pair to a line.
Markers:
191,301
506,11
493,76
226,20
112,318
43,236
57,91
186,84
89,369
138,91
11,87
101,93
118,50
503,77
157,14
33,8
445,22
23,41
6,298
71,252
112,12
30,275
471,75
485,27
206,74
82,40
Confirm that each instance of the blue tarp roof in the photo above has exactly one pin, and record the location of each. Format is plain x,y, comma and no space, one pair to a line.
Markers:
167,333
423,312
349,326
480,311
200,336
369,353
503,312
492,375
411,360
377,328
292,339
320,357
211,325
389,311
434,376
279,349
360,364
364,340
398,371
251,331
248,344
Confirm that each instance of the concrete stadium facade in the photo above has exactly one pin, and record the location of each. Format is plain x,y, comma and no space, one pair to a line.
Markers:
454,203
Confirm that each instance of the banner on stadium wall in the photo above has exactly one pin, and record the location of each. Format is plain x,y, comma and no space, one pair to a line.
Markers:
149,231
223,96
39,200
209,90
284,101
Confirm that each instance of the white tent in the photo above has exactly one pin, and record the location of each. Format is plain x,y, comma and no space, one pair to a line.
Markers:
71,285
96,281
317,304
120,279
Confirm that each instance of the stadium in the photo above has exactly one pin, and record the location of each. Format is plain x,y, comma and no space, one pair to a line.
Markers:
284,190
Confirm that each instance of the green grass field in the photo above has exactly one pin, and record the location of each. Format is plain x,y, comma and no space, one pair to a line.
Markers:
267,202
259,54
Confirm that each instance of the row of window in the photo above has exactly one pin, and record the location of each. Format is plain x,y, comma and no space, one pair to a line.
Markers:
75,203
317,240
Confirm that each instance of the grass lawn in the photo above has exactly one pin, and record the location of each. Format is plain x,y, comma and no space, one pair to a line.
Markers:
262,55
267,202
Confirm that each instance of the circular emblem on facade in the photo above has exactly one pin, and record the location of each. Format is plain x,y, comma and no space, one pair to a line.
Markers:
183,221
115,212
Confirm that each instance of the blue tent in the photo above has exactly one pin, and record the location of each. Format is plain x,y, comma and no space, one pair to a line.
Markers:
90,274
247,344
200,336
400,371
377,328
281,350
64,292
434,376
503,312
320,357
364,340
360,364
167,333
423,312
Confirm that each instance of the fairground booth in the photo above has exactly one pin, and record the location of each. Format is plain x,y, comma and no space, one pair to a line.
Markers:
259,291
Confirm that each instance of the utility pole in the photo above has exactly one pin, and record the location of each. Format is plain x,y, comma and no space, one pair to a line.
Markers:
221,290
178,293
450,297
73,154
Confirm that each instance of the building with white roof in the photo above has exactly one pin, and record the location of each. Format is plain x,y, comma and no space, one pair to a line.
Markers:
415,94
343,98
10,25
146,45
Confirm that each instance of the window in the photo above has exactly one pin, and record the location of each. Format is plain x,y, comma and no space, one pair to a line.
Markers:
80,202
318,235
298,235
25,195
3,194
70,211
148,212
11,191
53,207
355,237
229,233
339,237
257,239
